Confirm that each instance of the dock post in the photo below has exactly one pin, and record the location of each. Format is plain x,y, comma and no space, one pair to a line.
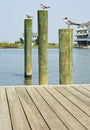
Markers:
65,55
28,48
43,46
28,81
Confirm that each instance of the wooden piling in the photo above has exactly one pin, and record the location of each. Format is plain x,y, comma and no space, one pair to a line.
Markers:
43,46
28,81
28,47
65,55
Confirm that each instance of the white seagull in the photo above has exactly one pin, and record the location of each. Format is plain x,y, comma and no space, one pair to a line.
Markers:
44,6
29,17
69,22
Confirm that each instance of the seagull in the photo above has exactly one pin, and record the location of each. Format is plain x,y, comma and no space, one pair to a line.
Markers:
44,6
29,17
69,22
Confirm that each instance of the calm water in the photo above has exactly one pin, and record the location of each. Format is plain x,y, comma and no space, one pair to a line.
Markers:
12,66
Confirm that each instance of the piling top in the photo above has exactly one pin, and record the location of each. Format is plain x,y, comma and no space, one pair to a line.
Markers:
28,21
65,29
42,10
42,13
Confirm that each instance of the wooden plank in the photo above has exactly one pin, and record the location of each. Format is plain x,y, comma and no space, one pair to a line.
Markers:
74,100
5,123
82,90
75,111
19,121
66,117
34,117
45,108
81,96
49,116
86,87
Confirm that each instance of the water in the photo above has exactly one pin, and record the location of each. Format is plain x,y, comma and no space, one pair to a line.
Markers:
12,66
81,66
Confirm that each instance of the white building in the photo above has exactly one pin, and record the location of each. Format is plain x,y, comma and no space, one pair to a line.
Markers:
83,35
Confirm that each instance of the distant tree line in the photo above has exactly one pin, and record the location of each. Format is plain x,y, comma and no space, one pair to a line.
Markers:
16,44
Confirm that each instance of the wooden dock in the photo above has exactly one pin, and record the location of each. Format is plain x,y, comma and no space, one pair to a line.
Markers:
45,108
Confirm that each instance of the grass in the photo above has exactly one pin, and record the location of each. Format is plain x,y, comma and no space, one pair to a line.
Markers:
14,45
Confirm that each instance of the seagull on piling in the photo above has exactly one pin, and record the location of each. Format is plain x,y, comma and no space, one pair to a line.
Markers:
69,22
44,6
29,17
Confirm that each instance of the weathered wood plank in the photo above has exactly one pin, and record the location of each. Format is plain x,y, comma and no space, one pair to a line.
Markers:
52,120
77,102
19,121
34,117
86,87
5,123
82,90
75,111
66,117
43,108
80,95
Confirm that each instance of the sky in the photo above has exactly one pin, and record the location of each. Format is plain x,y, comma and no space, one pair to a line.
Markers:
13,13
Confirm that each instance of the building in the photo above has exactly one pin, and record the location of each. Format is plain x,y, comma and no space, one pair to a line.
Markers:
34,38
83,35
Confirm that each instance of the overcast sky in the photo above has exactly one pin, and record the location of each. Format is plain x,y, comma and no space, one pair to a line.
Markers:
13,13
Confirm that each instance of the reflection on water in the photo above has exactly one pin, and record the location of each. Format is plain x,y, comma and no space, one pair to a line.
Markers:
12,66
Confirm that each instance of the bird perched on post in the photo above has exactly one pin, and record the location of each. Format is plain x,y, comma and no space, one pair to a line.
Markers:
69,22
44,6
29,17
